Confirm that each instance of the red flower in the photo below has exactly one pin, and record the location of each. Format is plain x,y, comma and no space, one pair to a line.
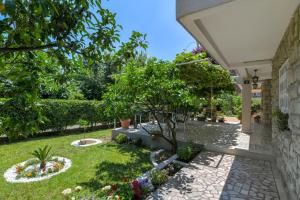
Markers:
137,190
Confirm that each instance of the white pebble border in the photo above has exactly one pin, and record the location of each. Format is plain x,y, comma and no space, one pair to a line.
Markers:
10,174
77,142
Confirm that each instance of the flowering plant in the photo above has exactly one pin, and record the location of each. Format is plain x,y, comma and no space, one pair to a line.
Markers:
19,169
67,192
146,185
136,189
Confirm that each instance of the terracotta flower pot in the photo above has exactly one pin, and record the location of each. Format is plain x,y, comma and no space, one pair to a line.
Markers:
125,123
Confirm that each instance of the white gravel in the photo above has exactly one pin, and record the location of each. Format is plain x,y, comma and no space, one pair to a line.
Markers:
10,174
77,142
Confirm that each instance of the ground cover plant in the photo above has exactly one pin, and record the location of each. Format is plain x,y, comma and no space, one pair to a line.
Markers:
92,168
187,152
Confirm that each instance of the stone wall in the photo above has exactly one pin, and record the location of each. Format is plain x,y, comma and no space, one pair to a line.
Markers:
287,144
266,103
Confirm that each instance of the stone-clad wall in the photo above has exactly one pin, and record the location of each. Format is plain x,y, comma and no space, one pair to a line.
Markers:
266,103
287,144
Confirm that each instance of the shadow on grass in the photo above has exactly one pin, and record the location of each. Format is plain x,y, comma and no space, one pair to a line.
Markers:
113,171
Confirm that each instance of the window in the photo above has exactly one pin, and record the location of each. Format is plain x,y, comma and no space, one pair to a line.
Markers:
283,85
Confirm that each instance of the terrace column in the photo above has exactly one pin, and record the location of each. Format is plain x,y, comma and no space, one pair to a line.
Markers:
246,105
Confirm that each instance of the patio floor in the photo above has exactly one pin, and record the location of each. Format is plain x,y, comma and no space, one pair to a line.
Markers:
227,135
214,176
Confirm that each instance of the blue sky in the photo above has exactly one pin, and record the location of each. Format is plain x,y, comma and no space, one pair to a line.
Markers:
157,19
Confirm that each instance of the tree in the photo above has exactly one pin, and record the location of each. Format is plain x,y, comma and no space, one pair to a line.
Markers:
100,72
61,29
154,87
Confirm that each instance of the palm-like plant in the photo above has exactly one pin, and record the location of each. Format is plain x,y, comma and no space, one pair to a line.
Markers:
43,155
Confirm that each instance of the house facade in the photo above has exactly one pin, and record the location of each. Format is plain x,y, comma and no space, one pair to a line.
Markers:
259,37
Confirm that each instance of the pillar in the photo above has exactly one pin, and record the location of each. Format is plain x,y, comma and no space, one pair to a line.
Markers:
246,105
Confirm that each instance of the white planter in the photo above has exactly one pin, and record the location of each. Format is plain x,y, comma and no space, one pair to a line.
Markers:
95,142
10,174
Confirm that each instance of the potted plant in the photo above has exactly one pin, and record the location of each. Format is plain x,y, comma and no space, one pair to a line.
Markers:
125,123
124,112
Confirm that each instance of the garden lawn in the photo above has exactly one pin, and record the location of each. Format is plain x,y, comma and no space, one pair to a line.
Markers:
92,167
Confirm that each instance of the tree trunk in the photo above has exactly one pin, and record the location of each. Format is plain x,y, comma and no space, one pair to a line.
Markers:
171,127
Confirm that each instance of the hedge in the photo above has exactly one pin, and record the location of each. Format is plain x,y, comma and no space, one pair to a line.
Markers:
59,114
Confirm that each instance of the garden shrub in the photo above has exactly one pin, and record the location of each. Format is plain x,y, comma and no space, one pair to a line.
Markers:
121,139
57,114
158,177
185,153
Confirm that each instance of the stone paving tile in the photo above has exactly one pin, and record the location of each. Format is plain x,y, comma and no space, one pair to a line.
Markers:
235,178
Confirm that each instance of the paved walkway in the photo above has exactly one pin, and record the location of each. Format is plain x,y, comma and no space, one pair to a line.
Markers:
214,176
227,135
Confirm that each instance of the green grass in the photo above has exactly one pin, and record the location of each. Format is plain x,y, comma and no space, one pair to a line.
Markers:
92,167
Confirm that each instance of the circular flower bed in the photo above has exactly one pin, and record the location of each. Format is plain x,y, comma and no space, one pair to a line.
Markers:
86,142
30,170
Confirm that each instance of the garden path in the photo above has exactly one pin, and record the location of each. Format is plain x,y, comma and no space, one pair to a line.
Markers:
214,176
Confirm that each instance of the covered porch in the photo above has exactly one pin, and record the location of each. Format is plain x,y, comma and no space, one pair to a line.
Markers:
242,36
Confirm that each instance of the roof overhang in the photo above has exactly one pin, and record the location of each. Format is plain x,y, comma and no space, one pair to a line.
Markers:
240,34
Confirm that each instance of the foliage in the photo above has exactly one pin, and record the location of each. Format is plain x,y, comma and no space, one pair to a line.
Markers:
124,191
60,27
43,155
121,139
58,115
201,75
43,46
154,87
186,153
100,73
282,120
229,103
118,102
63,113
158,177
83,123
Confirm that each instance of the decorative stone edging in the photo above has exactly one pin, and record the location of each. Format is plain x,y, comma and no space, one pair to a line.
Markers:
159,166
77,142
164,163
10,174
152,156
